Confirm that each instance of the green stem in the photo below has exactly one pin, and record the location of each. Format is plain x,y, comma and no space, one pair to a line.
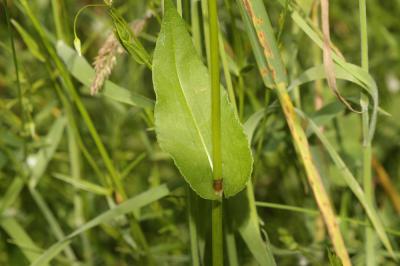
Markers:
57,16
80,11
179,7
367,148
194,246
217,244
364,35
196,28
16,68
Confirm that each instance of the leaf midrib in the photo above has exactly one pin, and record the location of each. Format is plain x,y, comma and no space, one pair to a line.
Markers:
186,101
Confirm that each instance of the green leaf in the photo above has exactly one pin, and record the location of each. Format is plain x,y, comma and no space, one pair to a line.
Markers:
82,71
183,113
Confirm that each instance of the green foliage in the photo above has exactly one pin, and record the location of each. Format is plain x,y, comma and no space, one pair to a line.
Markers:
101,180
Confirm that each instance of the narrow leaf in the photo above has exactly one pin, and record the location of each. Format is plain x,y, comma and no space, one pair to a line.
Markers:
84,185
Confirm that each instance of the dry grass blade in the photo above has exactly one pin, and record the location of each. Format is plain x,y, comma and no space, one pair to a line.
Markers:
255,9
327,55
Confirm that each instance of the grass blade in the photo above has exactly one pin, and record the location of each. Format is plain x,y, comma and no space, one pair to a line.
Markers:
38,162
243,212
81,70
127,206
21,238
255,10
352,183
84,185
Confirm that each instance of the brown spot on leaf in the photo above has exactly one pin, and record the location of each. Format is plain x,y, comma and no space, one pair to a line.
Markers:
264,71
257,21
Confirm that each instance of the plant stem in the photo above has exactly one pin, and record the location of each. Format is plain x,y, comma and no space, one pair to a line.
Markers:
217,240
16,68
57,16
364,35
217,244
179,7
367,149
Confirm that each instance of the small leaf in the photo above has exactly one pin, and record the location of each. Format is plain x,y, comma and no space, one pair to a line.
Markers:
183,113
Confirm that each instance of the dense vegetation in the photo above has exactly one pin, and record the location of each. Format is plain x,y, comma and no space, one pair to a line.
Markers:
118,146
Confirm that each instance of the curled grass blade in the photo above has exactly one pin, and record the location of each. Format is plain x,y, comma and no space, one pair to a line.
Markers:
351,183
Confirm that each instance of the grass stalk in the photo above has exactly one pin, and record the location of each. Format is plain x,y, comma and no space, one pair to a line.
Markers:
217,239
57,16
370,258
79,218
16,69
195,25
194,246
